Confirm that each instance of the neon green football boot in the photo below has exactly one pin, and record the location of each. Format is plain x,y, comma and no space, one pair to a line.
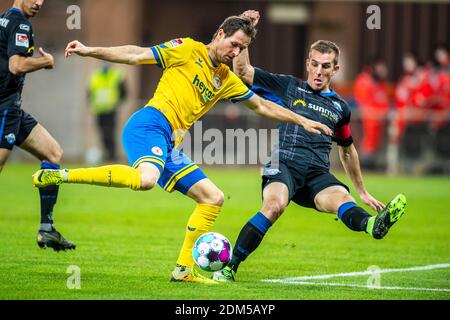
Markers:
379,225
48,177
224,275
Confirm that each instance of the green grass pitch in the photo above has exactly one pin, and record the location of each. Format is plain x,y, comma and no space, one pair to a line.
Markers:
128,242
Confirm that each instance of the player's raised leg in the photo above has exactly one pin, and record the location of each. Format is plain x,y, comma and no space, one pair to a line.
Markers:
145,142
43,146
275,200
336,199
117,176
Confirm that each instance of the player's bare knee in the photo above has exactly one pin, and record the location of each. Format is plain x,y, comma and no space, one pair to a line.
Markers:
220,198
214,198
342,196
348,198
331,201
149,174
55,155
147,182
273,208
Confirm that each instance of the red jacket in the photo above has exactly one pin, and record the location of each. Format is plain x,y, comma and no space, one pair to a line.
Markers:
371,94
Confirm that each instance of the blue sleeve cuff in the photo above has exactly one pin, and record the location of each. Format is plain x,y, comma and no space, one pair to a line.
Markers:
157,56
246,96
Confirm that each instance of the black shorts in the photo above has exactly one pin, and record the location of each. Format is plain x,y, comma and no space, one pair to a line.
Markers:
303,182
15,125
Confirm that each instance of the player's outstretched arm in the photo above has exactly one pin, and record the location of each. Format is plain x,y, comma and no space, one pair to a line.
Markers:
128,54
19,64
271,110
350,160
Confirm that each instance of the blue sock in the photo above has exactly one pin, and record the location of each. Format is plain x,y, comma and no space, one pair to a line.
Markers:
249,239
260,222
354,217
48,196
344,207
48,165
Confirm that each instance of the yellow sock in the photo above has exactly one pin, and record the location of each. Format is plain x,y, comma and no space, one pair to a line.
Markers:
199,223
118,176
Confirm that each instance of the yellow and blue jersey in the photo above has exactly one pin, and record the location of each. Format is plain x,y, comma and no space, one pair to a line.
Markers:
191,83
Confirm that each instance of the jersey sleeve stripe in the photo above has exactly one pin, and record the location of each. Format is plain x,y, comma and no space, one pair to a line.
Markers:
161,57
157,56
247,95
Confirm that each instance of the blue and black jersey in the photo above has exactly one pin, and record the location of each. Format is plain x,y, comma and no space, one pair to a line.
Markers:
16,38
295,143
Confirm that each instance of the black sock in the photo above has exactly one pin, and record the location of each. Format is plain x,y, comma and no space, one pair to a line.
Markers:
354,217
249,239
48,196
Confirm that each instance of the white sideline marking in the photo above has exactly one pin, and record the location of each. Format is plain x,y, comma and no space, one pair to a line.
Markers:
364,286
300,280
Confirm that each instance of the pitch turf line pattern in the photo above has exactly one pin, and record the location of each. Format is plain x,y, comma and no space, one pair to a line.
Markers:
301,280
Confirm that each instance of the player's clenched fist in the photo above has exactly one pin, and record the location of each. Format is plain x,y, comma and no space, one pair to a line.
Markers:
252,15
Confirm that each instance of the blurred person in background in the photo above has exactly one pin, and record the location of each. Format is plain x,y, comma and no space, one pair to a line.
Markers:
440,111
371,95
17,127
107,90
413,94
441,102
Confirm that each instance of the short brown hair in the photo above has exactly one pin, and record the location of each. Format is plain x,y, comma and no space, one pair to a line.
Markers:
235,23
326,46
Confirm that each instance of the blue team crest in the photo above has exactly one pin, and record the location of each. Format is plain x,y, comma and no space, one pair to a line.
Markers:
217,81
10,138
337,105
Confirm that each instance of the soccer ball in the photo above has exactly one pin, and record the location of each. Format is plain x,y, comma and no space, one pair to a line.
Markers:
212,251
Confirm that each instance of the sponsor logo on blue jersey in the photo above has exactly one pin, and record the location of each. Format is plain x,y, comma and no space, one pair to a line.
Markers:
325,112
302,102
